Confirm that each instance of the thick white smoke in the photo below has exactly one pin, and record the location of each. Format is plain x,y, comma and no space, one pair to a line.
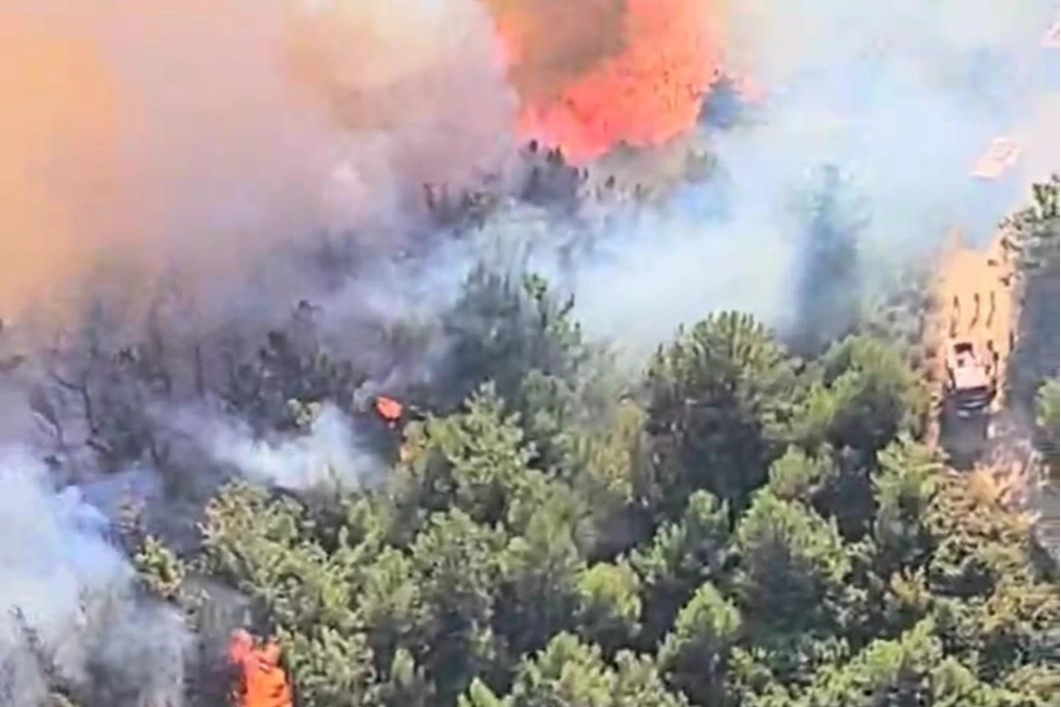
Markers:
328,455
68,613
903,97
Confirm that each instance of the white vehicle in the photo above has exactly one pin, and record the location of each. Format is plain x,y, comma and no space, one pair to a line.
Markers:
971,383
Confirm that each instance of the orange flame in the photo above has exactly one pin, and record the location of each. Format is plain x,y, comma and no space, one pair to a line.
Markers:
638,77
262,680
389,409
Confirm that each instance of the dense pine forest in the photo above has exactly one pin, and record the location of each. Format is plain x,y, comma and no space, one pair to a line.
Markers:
737,526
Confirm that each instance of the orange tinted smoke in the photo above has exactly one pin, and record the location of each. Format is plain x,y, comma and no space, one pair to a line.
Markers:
635,72
549,44
59,126
388,408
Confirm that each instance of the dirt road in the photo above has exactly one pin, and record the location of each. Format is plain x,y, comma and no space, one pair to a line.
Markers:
977,298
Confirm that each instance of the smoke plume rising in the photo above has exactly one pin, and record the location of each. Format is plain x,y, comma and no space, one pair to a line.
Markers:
183,132
207,136
328,455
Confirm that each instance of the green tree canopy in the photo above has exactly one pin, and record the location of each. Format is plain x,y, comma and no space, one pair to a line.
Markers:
720,397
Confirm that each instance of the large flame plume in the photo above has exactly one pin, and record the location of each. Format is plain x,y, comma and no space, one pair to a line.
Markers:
593,75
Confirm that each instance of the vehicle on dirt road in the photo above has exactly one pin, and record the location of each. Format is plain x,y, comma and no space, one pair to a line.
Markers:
969,391
972,379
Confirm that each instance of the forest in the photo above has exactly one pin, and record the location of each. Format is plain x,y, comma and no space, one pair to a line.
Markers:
738,525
